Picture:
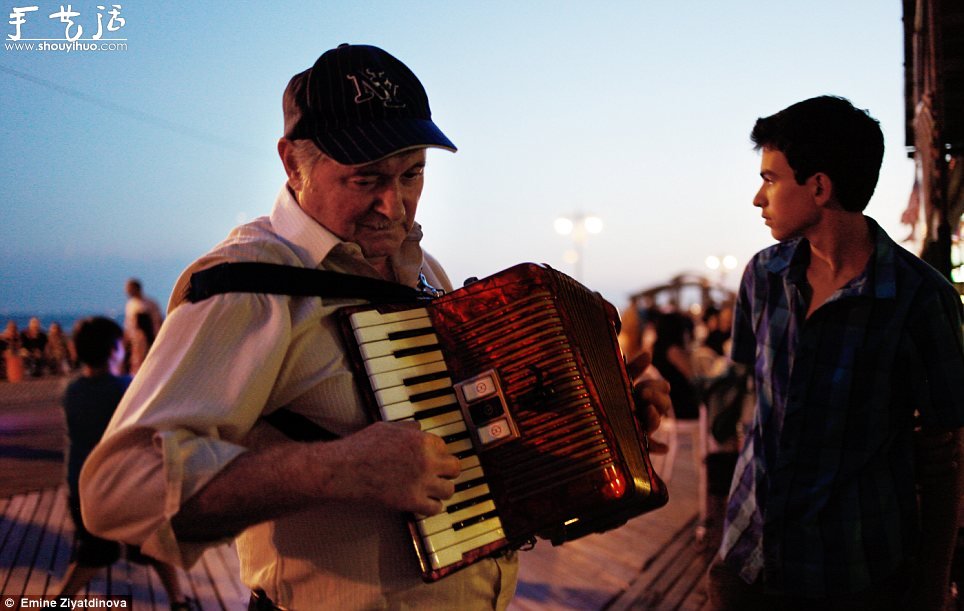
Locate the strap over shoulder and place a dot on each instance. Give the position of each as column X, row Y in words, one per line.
column 276, row 279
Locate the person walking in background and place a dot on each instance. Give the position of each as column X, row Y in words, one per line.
column 852, row 341
column 142, row 323
column 89, row 403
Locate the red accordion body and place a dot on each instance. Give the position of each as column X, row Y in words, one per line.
column 522, row 376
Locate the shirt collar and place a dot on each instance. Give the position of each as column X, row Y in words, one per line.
column 877, row 279
column 308, row 238
column 313, row 243
column 885, row 262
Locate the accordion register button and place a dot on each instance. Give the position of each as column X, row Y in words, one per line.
column 484, row 411
column 482, row 387
column 493, row 431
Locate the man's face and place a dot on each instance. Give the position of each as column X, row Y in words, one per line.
column 372, row 205
column 789, row 208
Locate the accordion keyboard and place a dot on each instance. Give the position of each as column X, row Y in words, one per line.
column 410, row 381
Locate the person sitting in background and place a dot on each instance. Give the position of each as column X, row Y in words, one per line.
column 56, row 354
column 33, row 341
column 12, row 359
column 89, row 403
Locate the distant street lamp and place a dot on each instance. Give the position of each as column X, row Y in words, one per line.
column 724, row 264
column 578, row 226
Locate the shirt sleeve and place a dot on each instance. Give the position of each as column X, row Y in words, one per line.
column 203, row 386
column 938, row 345
column 743, row 344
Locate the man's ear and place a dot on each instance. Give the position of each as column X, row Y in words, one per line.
column 286, row 152
column 821, row 188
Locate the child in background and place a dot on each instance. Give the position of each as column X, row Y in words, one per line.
column 89, row 403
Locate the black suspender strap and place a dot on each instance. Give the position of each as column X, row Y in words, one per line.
column 296, row 427
column 274, row 279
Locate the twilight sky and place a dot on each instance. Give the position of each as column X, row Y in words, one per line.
column 132, row 161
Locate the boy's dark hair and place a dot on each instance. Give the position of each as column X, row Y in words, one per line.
column 95, row 339
column 827, row 134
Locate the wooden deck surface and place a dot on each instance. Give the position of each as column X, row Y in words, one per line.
column 653, row 562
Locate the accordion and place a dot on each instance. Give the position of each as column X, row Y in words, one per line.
column 521, row 375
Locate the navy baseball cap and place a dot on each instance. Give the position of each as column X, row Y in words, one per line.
column 359, row 104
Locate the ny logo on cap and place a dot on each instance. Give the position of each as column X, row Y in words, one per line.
column 371, row 84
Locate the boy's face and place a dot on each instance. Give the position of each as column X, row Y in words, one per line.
column 788, row 208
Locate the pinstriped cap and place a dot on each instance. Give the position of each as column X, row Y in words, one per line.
column 359, row 104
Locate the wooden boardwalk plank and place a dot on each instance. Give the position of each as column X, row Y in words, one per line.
column 143, row 584
column 40, row 577
column 36, row 538
column 649, row 562
column 16, row 547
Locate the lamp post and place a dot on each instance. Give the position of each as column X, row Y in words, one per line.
column 578, row 226
column 723, row 264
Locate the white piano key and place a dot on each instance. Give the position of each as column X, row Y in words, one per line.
column 405, row 409
column 469, row 473
column 396, row 394
column 467, row 495
column 446, row 429
column 459, row 446
column 444, row 418
column 445, row 538
column 452, row 554
column 472, row 460
column 367, row 318
column 376, row 333
column 388, row 346
column 397, row 378
column 443, row 521
column 391, row 362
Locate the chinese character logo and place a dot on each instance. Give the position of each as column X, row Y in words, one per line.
column 66, row 15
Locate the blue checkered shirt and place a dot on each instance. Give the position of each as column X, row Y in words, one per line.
column 823, row 497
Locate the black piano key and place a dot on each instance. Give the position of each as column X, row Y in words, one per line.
column 416, row 350
column 428, row 377
column 430, row 394
column 435, row 411
column 475, row 520
column 395, row 335
column 471, row 483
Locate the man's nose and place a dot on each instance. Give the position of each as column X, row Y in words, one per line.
column 391, row 201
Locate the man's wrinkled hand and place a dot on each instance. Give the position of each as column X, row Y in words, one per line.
column 651, row 397
column 399, row 466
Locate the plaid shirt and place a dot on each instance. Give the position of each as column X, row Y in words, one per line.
column 823, row 498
